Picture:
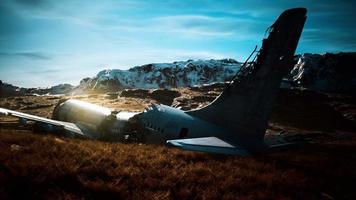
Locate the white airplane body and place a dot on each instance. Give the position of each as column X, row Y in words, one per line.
column 234, row 123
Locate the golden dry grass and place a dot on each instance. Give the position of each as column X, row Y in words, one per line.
column 46, row 166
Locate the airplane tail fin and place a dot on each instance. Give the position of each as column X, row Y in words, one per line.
column 243, row 107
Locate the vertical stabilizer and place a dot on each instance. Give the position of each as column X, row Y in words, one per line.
column 243, row 107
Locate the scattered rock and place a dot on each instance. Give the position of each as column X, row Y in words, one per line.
column 185, row 104
column 193, row 102
column 15, row 147
column 326, row 196
column 59, row 140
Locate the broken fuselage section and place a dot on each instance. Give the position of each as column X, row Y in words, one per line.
column 97, row 121
column 156, row 124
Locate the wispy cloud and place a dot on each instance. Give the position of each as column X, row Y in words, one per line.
column 29, row 55
column 43, row 71
column 67, row 40
column 194, row 25
column 330, row 39
column 106, row 17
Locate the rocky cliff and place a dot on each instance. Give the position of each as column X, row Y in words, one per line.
column 328, row 72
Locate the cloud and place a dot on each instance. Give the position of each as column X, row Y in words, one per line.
column 188, row 26
column 194, row 25
column 106, row 17
column 125, row 33
column 29, row 55
column 44, row 71
column 334, row 38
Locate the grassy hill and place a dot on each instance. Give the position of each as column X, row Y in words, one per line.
column 35, row 165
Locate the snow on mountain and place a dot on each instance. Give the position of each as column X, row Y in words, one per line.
column 163, row 75
column 326, row 72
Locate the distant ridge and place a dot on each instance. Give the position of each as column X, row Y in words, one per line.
column 328, row 72
column 321, row 72
column 7, row 90
column 163, row 75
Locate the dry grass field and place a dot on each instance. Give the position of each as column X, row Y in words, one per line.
column 35, row 165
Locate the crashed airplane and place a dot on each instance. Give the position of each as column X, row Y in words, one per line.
column 234, row 123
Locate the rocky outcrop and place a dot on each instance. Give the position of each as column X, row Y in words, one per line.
column 135, row 93
column 163, row 96
column 334, row 73
column 7, row 90
column 57, row 89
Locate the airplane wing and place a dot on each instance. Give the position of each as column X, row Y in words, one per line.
column 70, row 128
column 209, row 145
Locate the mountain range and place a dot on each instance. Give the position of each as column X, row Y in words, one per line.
column 328, row 72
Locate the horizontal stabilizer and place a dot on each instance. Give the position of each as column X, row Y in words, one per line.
column 209, row 145
column 69, row 127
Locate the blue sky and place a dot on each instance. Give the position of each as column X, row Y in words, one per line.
column 47, row 42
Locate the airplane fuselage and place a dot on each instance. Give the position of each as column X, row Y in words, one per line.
column 156, row 124
column 168, row 123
